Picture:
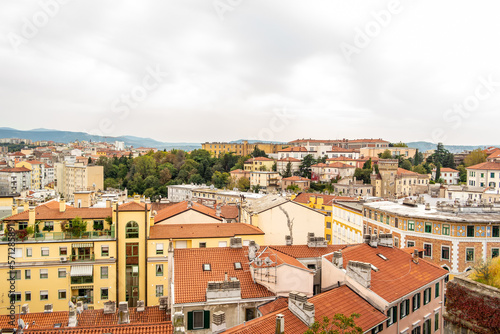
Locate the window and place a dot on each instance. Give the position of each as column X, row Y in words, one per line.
column 328, row 225
column 396, row 242
column 104, row 272
column 181, row 244
column 104, row 251
column 132, row 230
column 27, row 274
column 427, row 296
column 416, row 330
column 436, row 321
column 416, row 302
column 469, row 254
column 15, row 274
column 378, row 329
column 411, row 225
column 428, row 250
column 159, row 291
column 427, row 326
column 27, row 296
column 45, row 251
column 404, row 308
column 470, row 231
column 392, row 313
column 29, row 252
column 428, row 228
column 104, row 293
column 436, row 290
column 203, row 245
column 446, row 229
column 23, row 225
column 237, row 266
column 495, row 231
column 61, row 273
column 61, row 294
column 445, row 253
column 328, row 237
column 44, row 273
column 159, row 270
column 48, row 226
column 159, row 249
column 63, row 251
column 222, row 243
column 198, row 320
column 494, row 252
column 44, row 295
column 18, row 253
column 410, row 244
column 15, row 297
column 206, row 267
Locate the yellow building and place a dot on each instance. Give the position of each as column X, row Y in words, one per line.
column 244, row 148
column 36, row 172
column 259, row 164
column 78, row 177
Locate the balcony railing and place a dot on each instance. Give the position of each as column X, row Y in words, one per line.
column 48, row 236
column 89, row 257
column 82, row 280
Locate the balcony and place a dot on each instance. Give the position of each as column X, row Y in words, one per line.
column 86, row 257
column 50, row 236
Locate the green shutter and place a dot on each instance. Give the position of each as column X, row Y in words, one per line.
column 190, row 320
column 206, row 319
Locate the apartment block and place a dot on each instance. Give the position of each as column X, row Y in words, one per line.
column 78, row 177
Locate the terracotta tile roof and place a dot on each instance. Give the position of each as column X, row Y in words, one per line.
column 320, row 165
column 296, row 178
column 290, row 160
column 160, row 206
column 402, row 171
column 341, row 159
column 341, row 149
column 15, row 170
column 447, row 170
column 238, row 171
column 151, row 319
column 182, row 207
column 486, row 166
column 35, row 162
column 191, row 281
column 132, row 206
column 340, row 165
column 314, row 141
column 249, row 161
column 208, row 230
column 494, row 154
column 303, row 198
column 18, row 154
column 368, row 141
column 305, row 252
column 50, row 211
column 294, row 149
column 273, row 306
column 391, row 281
column 278, row 258
column 229, row 212
column 339, row 300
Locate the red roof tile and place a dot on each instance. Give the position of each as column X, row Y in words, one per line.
column 303, row 198
column 486, row 166
column 294, row 149
column 191, row 281
column 278, row 259
column 229, row 211
column 249, row 161
column 273, row 306
column 208, row 230
column 15, row 170
column 290, row 160
column 304, row 252
column 50, row 211
column 391, row 280
column 402, row 171
column 182, row 207
column 132, row 206
column 296, row 178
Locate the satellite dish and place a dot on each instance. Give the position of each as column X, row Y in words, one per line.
column 268, row 261
column 258, row 261
column 21, row 324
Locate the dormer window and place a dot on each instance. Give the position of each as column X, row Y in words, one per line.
column 206, row 267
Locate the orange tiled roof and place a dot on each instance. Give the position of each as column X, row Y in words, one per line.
column 273, row 306
column 15, row 170
column 208, row 230
column 290, row 159
column 278, row 258
column 249, row 161
column 494, row 154
column 402, row 171
column 339, row 300
column 368, row 141
column 321, row 164
column 486, row 166
column 294, row 149
column 340, row 165
column 229, row 211
column 304, row 252
column 132, row 206
column 391, row 280
column 341, row 149
column 35, row 162
column 447, row 170
column 341, row 159
column 303, row 198
column 50, row 211
column 182, row 207
column 191, row 281
column 296, row 178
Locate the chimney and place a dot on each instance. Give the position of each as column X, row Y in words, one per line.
column 32, row 216
column 337, row 260
column 62, row 205
column 217, row 210
column 298, row 305
column 280, row 324
column 110, row 307
column 427, row 206
column 227, row 290
column 25, row 309
column 72, row 321
column 218, row 322
column 288, row 240
column 163, row 303
column 14, row 210
column 26, row 206
column 313, row 241
column 140, row 306
column 108, row 203
column 360, row 272
column 386, row 240
column 123, row 315
column 252, row 250
column 178, row 323
column 366, row 238
column 137, row 198
column 415, row 256
column 235, row 243
column 48, row 308
column 373, row 240
column 189, row 204
column 79, row 307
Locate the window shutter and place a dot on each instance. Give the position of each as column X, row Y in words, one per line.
column 206, row 319
column 401, row 311
column 190, row 321
column 408, row 307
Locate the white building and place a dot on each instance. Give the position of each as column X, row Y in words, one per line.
column 14, row 180
column 486, row 174
column 449, row 175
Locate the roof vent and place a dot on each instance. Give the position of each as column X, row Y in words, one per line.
column 140, row 306
column 48, row 308
column 110, row 307
column 235, row 243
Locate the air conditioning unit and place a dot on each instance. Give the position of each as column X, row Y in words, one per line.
column 64, row 259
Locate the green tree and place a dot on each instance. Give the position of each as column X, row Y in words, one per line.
column 89, row 161
column 111, row 183
column 418, row 158
column 368, row 164
column 420, row 169
column 256, row 188
column 363, row 174
column 243, row 184
column 406, row 164
column 305, row 166
column 288, row 170
column 258, row 152
column 438, row 172
column 339, row 324
column 78, row 227
column 462, row 174
column 443, row 156
column 220, row 180
column 196, row 179
column 475, row 157
column 386, row 155
column 293, row 188
column 400, row 144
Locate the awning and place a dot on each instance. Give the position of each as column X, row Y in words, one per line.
column 77, row 271
column 83, row 245
column 82, row 287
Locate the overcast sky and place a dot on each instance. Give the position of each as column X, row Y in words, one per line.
column 195, row 71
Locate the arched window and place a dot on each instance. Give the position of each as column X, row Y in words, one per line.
column 132, row 230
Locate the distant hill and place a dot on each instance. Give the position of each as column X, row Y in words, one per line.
column 69, row 136
column 425, row 146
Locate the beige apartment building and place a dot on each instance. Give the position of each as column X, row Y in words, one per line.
column 78, row 177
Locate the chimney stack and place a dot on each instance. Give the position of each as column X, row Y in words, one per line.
column 163, row 303
column 288, row 240
column 252, row 250
column 337, row 259
column 280, row 324
column 301, row 308
column 366, row 238
column 62, row 205
column 79, row 307
column 108, row 203
column 110, row 307
column 140, row 306
column 31, row 216
column 123, row 315
column 218, row 322
column 14, row 209
column 235, row 242
column 360, row 272
column 48, row 308
column 373, row 241
column 25, row 309
column 218, row 210
column 72, row 321
column 178, row 323
column 427, row 206
column 415, row 256
column 386, row 240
